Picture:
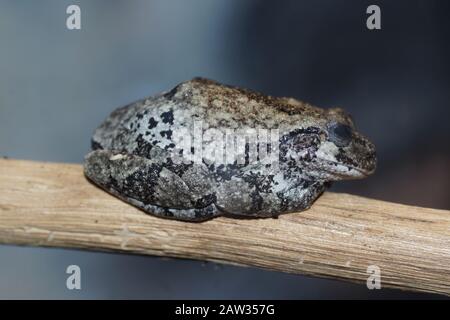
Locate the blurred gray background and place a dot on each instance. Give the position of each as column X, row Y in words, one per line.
column 57, row 85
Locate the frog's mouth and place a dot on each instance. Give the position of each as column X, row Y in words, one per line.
column 341, row 171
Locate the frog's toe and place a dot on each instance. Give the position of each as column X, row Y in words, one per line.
column 194, row 215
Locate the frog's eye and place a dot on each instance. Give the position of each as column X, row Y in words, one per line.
column 340, row 134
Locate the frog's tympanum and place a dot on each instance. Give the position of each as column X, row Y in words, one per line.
column 205, row 149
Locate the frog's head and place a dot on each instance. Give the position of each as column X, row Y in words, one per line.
column 331, row 149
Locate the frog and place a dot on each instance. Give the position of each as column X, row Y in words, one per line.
column 138, row 154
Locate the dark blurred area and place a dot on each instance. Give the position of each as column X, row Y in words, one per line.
column 57, row 85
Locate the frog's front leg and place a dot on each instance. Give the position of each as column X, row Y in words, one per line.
column 238, row 197
column 150, row 185
column 302, row 196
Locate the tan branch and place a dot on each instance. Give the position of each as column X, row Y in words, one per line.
column 50, row 204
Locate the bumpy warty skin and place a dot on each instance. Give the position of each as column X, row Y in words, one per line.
column 137, row 151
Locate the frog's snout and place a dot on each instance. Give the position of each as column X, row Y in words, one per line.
column 365, row 156
column 369, row 164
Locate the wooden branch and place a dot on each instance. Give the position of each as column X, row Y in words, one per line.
column 49, row 204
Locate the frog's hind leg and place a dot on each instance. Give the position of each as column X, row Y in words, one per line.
column 194, row 215
column 146, row 184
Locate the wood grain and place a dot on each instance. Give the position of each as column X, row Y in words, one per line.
column 51, row 204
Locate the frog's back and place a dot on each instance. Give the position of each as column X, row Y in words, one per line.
column 230, row 106
column 152, row 121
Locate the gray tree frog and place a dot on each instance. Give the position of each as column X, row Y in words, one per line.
column 136, row 153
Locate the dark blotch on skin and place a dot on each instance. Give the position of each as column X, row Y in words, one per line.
column 225, row 172
column 179, row 169
column 257, row 201
column 205, row 201
column 167, row 134
column 262, row 183
column 152, row 123
column 140, row 185
column 296, row 132
column 143, row 147
column 167, row 117
column 299, row 139
column 95, row 145
column 169, row 95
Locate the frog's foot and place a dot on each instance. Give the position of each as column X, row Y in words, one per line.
column 150, row 185
column 194, row 215
column 301, row 197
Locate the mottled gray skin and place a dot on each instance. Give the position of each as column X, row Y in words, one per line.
column 134, row 153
